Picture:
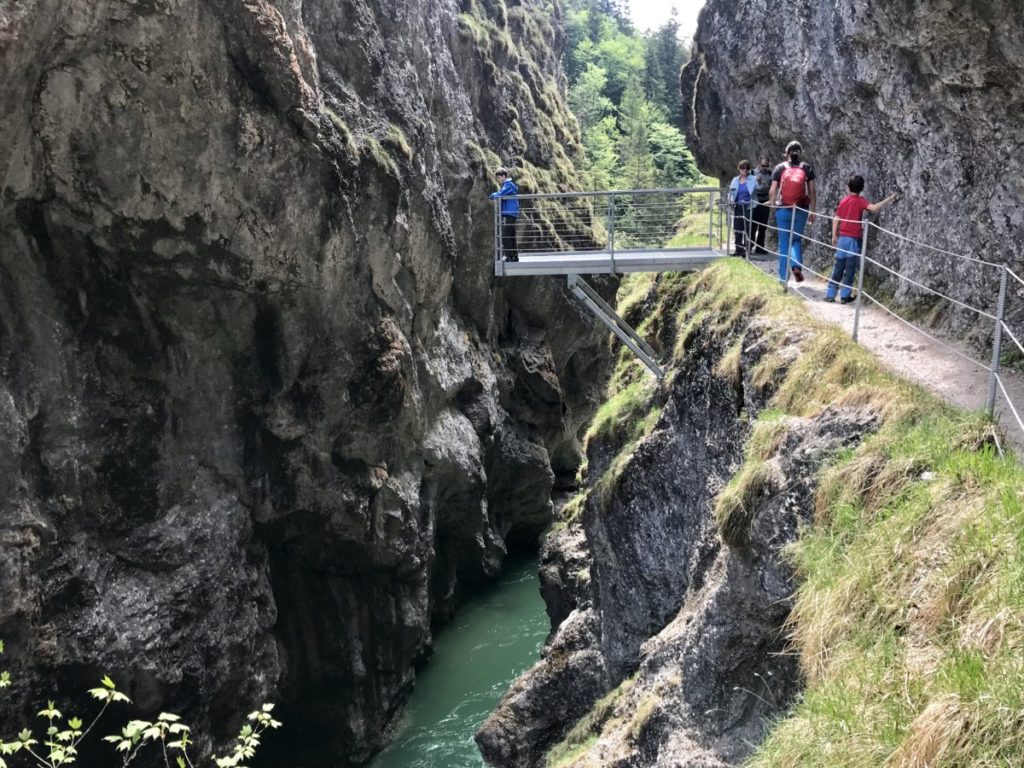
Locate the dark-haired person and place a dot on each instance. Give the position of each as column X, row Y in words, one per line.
column 793, row 192
column 741, row 194
column 762, row 208
column 847, row 236
column 509, row 213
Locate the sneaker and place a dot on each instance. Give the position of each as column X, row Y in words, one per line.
column 830, row 299
column 847, row 299
column 798, row 274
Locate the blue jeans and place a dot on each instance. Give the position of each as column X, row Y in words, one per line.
column 847, row 258
column 790, row 251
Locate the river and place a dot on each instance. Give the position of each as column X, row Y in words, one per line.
column 495, row 636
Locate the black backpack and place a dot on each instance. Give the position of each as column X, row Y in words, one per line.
column 763, row 185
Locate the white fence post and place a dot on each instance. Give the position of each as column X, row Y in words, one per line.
column 997, row 344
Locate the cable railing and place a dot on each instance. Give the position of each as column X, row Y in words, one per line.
column 559, row 225
column 996, row 315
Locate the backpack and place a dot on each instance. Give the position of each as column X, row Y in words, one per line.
column 763, row 186
column 793, row 185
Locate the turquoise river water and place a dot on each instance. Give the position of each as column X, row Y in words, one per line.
column 495, row 636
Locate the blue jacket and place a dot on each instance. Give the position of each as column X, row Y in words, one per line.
column 508, row 207
column 734, row 187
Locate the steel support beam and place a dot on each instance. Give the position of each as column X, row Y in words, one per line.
column 603, row 311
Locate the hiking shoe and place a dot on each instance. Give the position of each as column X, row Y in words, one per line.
column 847, row 299
column 830, row 299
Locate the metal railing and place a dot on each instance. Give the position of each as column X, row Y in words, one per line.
column 616, row 222
column 1001, row 277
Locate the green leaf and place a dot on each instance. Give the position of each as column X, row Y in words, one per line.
column 168, row 717
column 25, row 735
column 1, row 646
column 180, row 761
column 108, row 683
column 5, row 679
column 74, row 723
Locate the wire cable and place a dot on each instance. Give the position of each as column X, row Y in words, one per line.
column 923, row 287
column 924, row 333
column 1013, row 338
column 932, row 247
column 1009, row 401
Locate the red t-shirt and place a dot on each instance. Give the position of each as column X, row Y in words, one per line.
column 850, row 209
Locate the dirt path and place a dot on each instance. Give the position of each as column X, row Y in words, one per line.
column 914, row 356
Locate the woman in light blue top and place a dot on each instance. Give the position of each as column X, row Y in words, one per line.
column 741, row 195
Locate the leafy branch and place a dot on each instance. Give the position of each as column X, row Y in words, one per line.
column 60, row 744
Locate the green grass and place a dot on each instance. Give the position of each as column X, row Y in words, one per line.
column 909, row 621
column 585, row 733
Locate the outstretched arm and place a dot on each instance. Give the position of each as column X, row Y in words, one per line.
column 873, row 207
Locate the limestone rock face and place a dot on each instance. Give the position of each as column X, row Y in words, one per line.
column 669, row 647
column 920, row 97
column 263, row 407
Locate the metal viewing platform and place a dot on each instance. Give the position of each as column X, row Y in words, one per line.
column 600, row 233
column 611, row 233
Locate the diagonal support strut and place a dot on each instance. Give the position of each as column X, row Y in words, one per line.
column 601, row 309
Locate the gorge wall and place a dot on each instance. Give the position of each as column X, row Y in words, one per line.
column 921, row 97
column 263, row 408
column 670, row 647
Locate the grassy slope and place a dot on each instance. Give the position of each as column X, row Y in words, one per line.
column 910, row 618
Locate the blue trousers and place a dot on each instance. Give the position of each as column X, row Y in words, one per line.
column 790, row 251
column 847, row 258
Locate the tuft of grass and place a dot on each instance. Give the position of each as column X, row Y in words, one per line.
column 739, row 500
column 376, row 152
column 585, row 733
column 344, row 132
column 397, row 140
column 642, row 716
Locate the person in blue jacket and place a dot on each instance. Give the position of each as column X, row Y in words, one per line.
column 509, row 214
column 741, row 194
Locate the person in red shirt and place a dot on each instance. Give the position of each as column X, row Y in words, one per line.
column 847, row 236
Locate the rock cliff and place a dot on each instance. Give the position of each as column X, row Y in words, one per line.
column 263, row 408
column 919, row 97
column 669, row 647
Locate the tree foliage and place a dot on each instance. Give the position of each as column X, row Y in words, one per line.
column 624, row 90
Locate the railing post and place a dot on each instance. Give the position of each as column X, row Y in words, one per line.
column 997, row 344
column 711, row 221
column 860, row 278
column 499, row 241
column 611, row 230
column 729, row 234
column 748, row 223
column 721, row 221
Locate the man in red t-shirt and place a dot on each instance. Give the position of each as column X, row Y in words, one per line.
column 847, row 235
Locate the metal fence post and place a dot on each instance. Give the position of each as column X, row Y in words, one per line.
column 729, row 234
column 611, row 230
column 997, row 344
column 748, row 225
column 721, row 219
column 711, row 221
column 860, row 279
column 499, row 241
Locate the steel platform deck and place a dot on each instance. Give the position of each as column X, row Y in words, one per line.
column 605, row 262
